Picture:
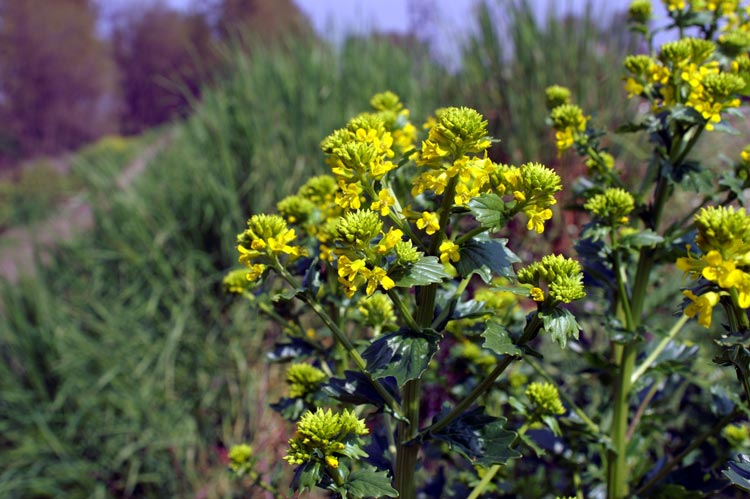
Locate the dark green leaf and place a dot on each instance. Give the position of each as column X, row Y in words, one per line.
column 684, row 114
column 426, row 271
column 739, row 472
column 486, row 258
column 370, row 483
column 497, row 339
column 307, row 476
column 675, row 356
column 480, row 438
column 641, row 238
column 560, row 324
column 403, row 355
column 632, row 127
column 356, row 389
column 490, row 211
column 674, row 491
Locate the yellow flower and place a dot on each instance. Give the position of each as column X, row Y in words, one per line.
column 537, row 294
column 449, row 252
column 349, row 196
column 384, row 202
column 702, row 306
column 720, row 271
column 375, row 277
column 389, row 240
column 429, row 222
column 537, row 217
column 349, row 269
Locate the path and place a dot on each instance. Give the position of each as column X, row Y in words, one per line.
column 18, row 245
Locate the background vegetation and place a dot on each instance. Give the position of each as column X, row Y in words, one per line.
column 125, row 371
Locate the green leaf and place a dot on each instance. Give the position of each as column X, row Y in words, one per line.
column 490, row 211
column 480, row 438
column 403, row 355
column 287, row 295
column 370, row 483
column 485, row 258
column 497, row 339
column 560, row 324
column 307, row 476
column 739, row 472
column 426, row 271
column 642, row 238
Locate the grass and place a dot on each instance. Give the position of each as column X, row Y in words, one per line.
column 126, row 372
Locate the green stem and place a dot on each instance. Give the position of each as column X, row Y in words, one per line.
column 456, row 296
column 343, row 340
column 659, row 349
column 531, row 330
column 403, row 310
column 617, row 472
column 715, row 429
column 473, row 232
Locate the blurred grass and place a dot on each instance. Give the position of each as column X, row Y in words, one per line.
column 41, row 185
column 126, row 372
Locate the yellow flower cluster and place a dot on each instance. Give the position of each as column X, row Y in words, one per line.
column 324, row 435
column 265, row 242
column 687, row 72
column 361, row 154
column 570, row 124
column 724, row 240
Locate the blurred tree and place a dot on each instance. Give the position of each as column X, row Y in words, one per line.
column 57, row 79
column 163, row 56
column 268, row 20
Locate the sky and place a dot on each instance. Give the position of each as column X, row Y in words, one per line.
column 449, row 20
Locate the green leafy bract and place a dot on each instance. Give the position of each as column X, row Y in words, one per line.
column 427, row 270
column 498, row 339
column 403, row 355
column 480, row 438
column 486, row 258
column 489, row 210
column 560, row 324
column 370, row 483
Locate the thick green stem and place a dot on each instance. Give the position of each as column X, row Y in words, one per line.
column 617, row 470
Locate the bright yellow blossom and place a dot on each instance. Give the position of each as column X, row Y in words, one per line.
column 429, row 222
column 702, row 306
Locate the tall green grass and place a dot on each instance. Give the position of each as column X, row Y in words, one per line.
column 517, row 53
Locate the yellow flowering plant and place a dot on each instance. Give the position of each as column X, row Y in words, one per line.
column 374, row 269
column 686, row 89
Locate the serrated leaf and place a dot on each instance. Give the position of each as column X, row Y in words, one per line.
column 560, row 324
column 370, row 483
column 307, row 476
column 489, row 210
column 403, row 355
column 739, row 472
column 675, row 356
column 480, row 438
column 356, row 389
column 641, row 238
column 486, row 258
column 426, row 271
column 497, row 339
